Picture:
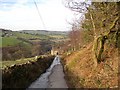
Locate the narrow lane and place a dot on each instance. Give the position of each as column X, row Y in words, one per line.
column 56, row 79
column 52, row 78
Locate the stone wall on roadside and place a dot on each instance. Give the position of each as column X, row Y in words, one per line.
column 22, row 75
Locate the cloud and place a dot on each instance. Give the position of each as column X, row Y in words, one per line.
column 23, row 15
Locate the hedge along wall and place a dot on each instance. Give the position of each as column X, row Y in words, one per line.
column 21, row 76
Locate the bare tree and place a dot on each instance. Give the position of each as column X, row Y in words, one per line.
column 103, row 17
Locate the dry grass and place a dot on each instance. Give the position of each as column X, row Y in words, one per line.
column 80, row 72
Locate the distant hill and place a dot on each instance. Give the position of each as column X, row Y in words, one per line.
column 45, row 32
column 11, row 38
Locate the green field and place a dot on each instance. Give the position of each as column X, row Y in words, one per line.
column 9, row 41
column 12, row 41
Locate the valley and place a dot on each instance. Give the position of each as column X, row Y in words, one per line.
column 21, row 44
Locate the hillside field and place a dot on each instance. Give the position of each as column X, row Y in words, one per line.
column 11, row 38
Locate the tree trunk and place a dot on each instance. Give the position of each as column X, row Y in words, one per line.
column 95, row 45
column 102, row 42
column 98, row 48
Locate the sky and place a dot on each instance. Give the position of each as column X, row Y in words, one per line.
column 23, row 15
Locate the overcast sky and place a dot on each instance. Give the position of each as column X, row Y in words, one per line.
column 23, row 15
